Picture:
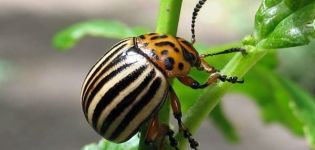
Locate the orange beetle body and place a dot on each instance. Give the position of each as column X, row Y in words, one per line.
column 173, row 55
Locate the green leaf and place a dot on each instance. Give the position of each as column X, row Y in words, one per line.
column 297, row 4
column 284, row 23
column 269, row 14
column 303, row 104
column 68, row 37
column 263, row 87
column 223, row 124
column 103, row 144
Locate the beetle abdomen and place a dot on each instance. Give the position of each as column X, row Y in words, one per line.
column 121, row 92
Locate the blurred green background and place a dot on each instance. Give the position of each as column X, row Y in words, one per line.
column 40, row 105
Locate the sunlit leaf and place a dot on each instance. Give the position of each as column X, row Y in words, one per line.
column 68, row 37
column 269, row 14
column 131, row 144
column 272, row 99
column 303, row 104
column 284, row 23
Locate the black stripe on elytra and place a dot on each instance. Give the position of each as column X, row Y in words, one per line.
column 126, row 101
column 156, row 109
column 102, row 82
column 158, row 37
column 117, row 44
column 100, row 66
column 165, row 43
column 154, row 87
column 120, row 42
column 110, row 95
column 117, row 60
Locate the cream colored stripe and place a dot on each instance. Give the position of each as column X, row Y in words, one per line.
column 119, row 118
column 98, row 96
column 83, row 93
column 121, row 95
column 108, row 85
column 154, row 102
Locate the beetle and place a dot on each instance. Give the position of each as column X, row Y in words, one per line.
column 128, row 85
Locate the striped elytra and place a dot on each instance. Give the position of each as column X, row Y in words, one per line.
column 129, row 83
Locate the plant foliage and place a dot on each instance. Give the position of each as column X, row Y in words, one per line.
column 278, row 24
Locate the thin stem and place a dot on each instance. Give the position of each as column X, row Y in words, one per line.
column 167, row 23
column 237, row 66
column 168, row 16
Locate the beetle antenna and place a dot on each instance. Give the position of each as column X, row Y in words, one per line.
column 194, row 16
column 231, row 50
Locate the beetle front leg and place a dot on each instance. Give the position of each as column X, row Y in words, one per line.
column 214, row 76
column 178, row 116
column 189, row 81
column 156, row 133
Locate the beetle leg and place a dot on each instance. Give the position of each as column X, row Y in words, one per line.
column 214, row 76
column 204, row 66
column 189, row 81
column 157, row 132
column 153, row 129
column 178, row 116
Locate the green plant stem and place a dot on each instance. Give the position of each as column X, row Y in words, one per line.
column 237, row 66
column 168, row 16
column 167, row 23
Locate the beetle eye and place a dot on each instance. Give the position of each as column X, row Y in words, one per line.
column 190, row 57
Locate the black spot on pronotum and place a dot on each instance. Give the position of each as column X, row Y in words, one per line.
column 176, row 49
column 189, row 56
column 164, row 52
column 180, row 66
column 158, row 37
column 165, row 43
column 142, row 37
column 169, row 63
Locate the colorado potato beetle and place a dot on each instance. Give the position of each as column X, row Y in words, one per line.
column 129, row 84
